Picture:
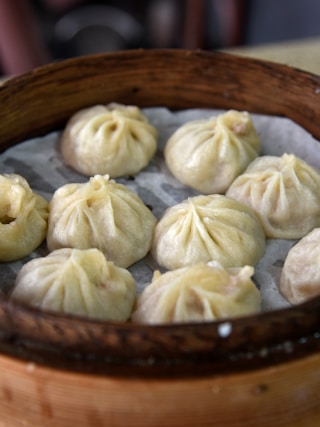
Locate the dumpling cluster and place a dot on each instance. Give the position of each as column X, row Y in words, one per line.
column 23, row 218
column 101, row 214
column 79, row 282
column 201, row 292
column 209, row 154
column 111, row 139
column 209, row 243
column 284, row 193
column 205, row 228
column 300, row 276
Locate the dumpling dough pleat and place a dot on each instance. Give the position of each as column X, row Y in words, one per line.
column 205, row 228
column 284, row 193
column 23, row 218
column 111, row 139
column 202, row 292
column 209, row 154
column 80, row 282
column 101, row 214
column 300, row 275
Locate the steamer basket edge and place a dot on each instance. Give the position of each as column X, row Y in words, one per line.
column 44, row 99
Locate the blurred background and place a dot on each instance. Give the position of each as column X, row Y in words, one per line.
column 35, row 32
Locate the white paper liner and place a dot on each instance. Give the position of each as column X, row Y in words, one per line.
column 39, row 161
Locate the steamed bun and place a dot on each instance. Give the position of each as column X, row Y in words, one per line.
column 284, row 193
column 101, row 214
column 80, row 282
column 300, row 275
column 202, row 292
column 208, row 227
column 23, row 218
column 111, row 139
column 209, row 154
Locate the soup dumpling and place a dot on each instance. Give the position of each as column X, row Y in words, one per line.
column 284, row 193
column 300, row 275
column 101, row 214
column 197, row 293
column 208, row 227
column 111, row 139
column 23, row 218
column 79, row 282
column 209, row 154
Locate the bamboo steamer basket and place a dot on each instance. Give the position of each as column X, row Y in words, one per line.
column 61, row 371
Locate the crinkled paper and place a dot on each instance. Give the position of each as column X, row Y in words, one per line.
column 39, row 161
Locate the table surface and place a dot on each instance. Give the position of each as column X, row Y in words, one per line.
column 303, row 53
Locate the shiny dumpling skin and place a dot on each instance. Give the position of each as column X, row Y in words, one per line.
column 101, row 214
column 209, row 154
column 284, row 193
column 23, row 218
column 111, row 139
column 300, row 275
column 205, row 228
column 79, row 282
column 198, row 293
